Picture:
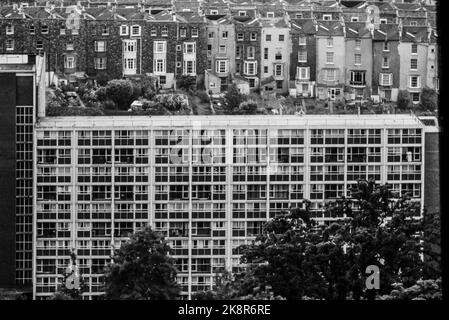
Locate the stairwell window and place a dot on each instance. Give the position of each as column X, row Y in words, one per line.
column 330, row 42
column 240, row 37
column 357, row 59
column 39, row 45
column 358, row 44
column 385, row 62
column 386, row 46
column 251, row 52
column 164, row 32
column 414, row 82
column 104, row 30
column 413, row 64
column 302, row 73
column 194, row 33
column 331, row 75
column 302, row 41
column 414, row 48
column 253, row 36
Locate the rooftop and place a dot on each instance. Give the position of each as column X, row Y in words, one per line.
column 264, row 121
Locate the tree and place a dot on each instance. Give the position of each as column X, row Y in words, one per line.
column 404, row 100
column 429, row 99
column 187, row 83
column 422, row 290
column 300, row 259
column 72, row 284
column 142, row 270
column 232, row 99
column 103, row 78
column 122, row 92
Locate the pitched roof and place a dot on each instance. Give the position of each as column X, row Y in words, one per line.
column 414, row 34
column 386, row 32
column 306, row 26
column 329, row 28
column 357, row 30
column 189, row 16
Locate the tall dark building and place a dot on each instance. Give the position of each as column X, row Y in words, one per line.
column 19, row 76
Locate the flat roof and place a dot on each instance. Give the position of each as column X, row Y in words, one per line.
column 218, row 121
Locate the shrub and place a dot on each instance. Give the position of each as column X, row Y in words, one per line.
column 232, row 99
column 429, row 99
column 203, row 96
column 404, row 100
column 101, row 94
column 172, row 102
column 121, row 92
column 187, row 83
column 109, row 104
column 247, row 107
column 149, row 89
column 102, row 79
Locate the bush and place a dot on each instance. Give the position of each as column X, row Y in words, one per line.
column 101, row 94
column 148, row 86
column 103, row 79
column 247, row 107
column 232, row 99
column 67, row 87
column 122, row 92
column 73, row 111
column 172, row 102
column 187, row 83
column 109, row 104
column 404, row 100
column 429, row 99
column 203, row 96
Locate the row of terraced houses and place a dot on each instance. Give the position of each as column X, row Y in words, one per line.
column 323, row 49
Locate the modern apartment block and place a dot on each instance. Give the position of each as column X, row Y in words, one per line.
column 207, row 183
column 20, row 84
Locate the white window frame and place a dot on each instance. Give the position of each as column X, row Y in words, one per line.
column 303, row 57
column 158, row 70
column 221, row 65
column 270, row 14
column 357, row 59
column 164, row 31
column 358, row 44
column 330, row 42
column 39, row 45
column 182, row 32
column 136, row 30
column 329, row 54
column 253, row 36
column 69, row 62
column 46, row 29
column 275, row 70
column 383, row 21
column 124, row 30
column 418, row 82
column 98, row 47
column 9, row 44
column 69, row 46
column 224, row 34
column 246, row 68
column 299, row 73
column 222, row 49
column 327, row 17
column 194, row 32
column 302, row 41
column 240, row 36
column 414, row 59
column 214, row 12
column 251, row 50
column 9, row 29
column 414, row 45
column 186, row 67
column 102, row 65
column 187, row 45
column 381, row 79
column 385, row 66
column 328, row 72
column 158, row 45
column 242, row 13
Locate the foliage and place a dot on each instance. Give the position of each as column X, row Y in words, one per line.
column 432, row 245
column 60, row 296
column 148, row 87
column 173, row 102
column 187, row 83
column 429, row 99
column 404, row 100
column 103, row 79
column 60, row 111
column 232, row 99
column 300, row 259
column 422, row 290
column 203, row 96
column 101, row 94
column 142, row 269
column 122, row 92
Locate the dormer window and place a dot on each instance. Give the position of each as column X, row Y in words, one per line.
column 242, row 13
column 327, row 17
column 123, row 30
column 214, row 12
column 383, row 21
column 153, row 32
column 9, row 44
column 9, row 29
column 270, row 14
column 32, row 29
column 69, row 46
column 298, row 16
column 413, row 23
column 354, row 19
column 330, row 42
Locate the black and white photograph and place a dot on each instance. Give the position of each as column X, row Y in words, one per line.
column 200, row 150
